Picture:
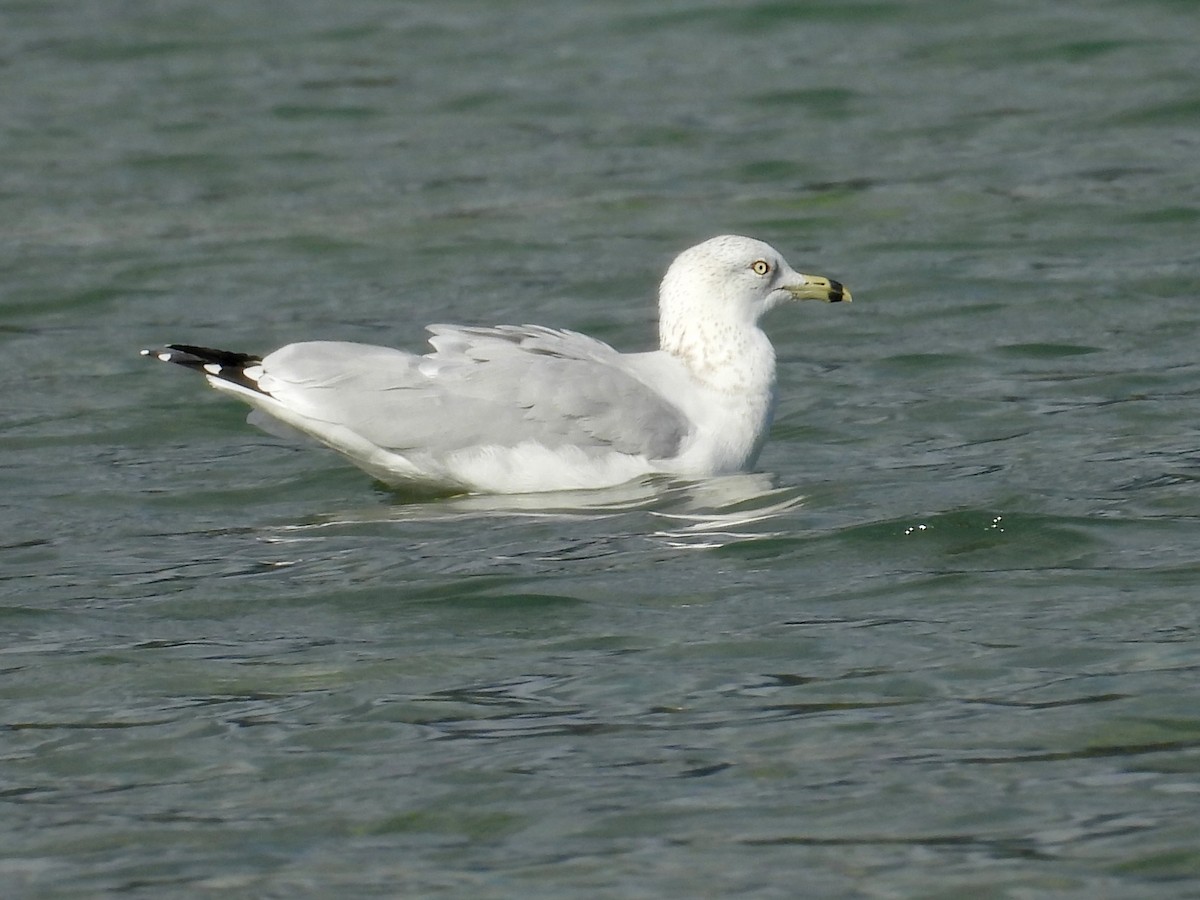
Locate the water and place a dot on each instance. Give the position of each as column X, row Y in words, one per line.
column 943, row 644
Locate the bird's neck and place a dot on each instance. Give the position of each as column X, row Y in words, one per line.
column 728, row 357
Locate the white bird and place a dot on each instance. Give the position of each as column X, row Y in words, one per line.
column 521, row 408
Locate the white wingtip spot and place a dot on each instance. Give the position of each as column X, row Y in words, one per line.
column 144, row 352
column 212, row 368
column 253, row 373
column 165, row 357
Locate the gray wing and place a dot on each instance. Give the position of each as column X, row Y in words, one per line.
column 480, row 387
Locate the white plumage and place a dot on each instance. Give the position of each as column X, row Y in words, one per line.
column 524, row 408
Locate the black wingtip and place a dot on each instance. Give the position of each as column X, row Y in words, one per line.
column 243, row 369
column 222, row 358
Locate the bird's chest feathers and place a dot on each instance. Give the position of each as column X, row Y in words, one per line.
column 733, row 428
column 733, row 373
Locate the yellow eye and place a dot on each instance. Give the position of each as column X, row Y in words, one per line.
column 760, row 267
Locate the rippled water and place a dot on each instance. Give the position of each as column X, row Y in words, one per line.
column 943, row 644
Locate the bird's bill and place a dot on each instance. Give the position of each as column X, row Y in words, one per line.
column 814, row 287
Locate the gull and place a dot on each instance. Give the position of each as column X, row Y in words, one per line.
column 524, row 408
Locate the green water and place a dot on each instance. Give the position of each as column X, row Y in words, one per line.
column 943, row 644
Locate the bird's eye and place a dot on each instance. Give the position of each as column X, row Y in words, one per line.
column 760, row 267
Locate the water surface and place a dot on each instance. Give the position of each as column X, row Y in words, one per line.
column 943, row 643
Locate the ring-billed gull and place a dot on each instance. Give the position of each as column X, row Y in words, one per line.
column 521, row 408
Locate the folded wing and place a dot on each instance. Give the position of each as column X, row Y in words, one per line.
column 479, row 388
